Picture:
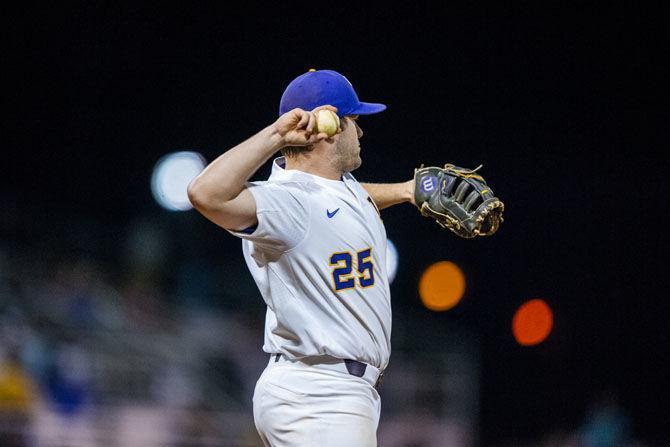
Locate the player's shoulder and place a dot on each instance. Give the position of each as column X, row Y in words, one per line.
column 297, row 188
column 286, row 184
column 298, row 182
column 351, row 180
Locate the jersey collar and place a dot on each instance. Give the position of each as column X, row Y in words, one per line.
column 279, row 172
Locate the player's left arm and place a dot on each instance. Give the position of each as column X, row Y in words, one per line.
column 389, row 194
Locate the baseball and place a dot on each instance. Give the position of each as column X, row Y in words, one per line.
column 327, row 122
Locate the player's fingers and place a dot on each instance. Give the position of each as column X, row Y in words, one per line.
column 317, row 137
column 326, row 107
column 304, row 119
column 311, row 124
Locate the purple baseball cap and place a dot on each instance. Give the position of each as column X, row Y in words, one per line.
column 318, row 88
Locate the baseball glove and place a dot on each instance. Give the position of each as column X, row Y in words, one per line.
column 458, row 199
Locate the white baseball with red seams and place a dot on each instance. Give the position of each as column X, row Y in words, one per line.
column 327, row 122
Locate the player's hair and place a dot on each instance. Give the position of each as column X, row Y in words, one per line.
column 291, row 151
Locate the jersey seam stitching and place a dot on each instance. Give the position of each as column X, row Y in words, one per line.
column 307, row 230
column 309, row 223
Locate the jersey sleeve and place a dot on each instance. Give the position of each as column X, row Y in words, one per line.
column 282, row 211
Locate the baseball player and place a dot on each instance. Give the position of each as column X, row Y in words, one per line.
column 315, row 244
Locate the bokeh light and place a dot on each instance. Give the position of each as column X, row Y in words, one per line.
column 442, row 286
column 391, row 260
column 532, row 322
column 171, row 177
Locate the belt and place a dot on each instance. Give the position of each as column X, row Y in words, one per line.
column 369, row 373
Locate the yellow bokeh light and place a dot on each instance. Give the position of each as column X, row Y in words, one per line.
column 442, row 286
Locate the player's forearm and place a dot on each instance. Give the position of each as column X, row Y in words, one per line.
column 224, row 178
column 389, row 194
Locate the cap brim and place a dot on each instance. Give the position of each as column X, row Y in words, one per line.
column 368, row 108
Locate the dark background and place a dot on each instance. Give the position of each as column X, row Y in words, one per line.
column 558, row 102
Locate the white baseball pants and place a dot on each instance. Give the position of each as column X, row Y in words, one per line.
column 296, row 404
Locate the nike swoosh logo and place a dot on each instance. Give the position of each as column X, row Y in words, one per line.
column 330, row 215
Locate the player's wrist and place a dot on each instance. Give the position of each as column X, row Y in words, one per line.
column 408, row 191
column 274, row 138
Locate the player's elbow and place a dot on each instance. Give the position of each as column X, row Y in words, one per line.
column 206, row 199
column 198, row 195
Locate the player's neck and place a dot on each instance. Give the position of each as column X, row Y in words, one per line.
column 314, row 164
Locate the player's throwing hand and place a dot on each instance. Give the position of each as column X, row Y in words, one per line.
column 297, row 127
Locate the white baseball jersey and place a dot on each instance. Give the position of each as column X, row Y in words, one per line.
column 318, row 256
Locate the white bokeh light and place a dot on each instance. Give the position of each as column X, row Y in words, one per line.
column 171, row 176
column 391, row 260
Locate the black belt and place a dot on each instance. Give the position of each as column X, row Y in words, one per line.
column 354, row 367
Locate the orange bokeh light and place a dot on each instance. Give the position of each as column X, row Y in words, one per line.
column 442, row 286
column 532, row 322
